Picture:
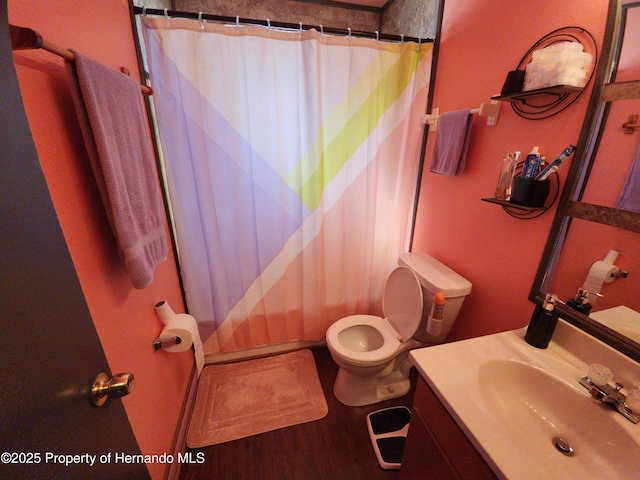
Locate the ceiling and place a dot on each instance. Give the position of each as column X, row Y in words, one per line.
column 368, row 3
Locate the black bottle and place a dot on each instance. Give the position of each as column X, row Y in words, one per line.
column 543, row 322
column 581, row 302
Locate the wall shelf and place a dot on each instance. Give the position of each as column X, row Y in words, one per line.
column 543, row 103
column 524, row 212
column 557, row 90
column 506, row 203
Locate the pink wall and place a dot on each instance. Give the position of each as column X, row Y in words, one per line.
column 481, row 41
column 123, row 316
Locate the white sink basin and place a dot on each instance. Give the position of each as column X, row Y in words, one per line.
column 538, row 409
column 515, row 401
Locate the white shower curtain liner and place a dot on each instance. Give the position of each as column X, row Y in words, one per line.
column 291, row 162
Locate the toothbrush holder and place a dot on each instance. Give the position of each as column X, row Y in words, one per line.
column 530, row 192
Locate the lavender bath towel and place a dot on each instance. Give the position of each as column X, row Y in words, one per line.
column 452, row 142
column 629, row 198
column 110, row 110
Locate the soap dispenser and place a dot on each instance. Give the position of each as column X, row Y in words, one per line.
column 543, row 323
column 581, row 302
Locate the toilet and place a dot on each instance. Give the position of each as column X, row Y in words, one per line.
column 372, row 352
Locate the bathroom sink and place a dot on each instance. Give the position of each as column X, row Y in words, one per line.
column 524, row 409
column 544, row 411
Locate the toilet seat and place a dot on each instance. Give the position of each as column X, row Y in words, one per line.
column 402, row 305
column 402, row 302
column 383, row 354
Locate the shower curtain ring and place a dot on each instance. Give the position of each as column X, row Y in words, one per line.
column 237, row 20
column 402, row 38
column 377, row 36
column 144, row 11
column 300, row 28
column 321, row 30
column 166, row 16
column 201, row 20
column 349, row 33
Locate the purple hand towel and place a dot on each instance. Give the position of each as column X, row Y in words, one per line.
column 452, row 142
column 629, row 198
column 111, row 113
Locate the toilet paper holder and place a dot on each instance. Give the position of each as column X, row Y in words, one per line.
column 160, row 342
column 619, row 274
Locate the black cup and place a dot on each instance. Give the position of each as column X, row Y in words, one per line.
column 529, row 192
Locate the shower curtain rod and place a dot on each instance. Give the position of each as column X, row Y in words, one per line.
column 268, row 23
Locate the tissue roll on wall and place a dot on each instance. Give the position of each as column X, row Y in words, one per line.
column 185, row 328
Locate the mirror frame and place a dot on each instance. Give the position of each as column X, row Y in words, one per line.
column 576, row 181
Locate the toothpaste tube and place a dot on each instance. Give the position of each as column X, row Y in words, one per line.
column 531, row 164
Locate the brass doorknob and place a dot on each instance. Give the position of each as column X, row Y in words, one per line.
column 117, row 386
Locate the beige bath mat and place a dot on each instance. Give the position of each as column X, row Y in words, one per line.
column 237, row 400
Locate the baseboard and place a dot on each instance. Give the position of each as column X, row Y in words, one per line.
column 257, row 352
column 179, row 440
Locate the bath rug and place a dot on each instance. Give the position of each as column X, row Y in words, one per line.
column 241, row 399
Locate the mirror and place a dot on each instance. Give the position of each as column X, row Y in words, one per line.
column 587, row 224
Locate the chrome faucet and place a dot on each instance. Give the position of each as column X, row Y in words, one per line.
column 599, row 388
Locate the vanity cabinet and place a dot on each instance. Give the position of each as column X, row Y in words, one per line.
column 436, row 448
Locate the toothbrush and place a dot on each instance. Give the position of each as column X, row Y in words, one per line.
column 553, row 166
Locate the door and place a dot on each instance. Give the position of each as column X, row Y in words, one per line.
column 49, row 349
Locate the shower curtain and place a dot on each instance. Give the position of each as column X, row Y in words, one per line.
column 291, row 162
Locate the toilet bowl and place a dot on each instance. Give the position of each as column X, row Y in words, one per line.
column 372, row 352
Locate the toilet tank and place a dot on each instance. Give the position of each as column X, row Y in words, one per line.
column 436, row 277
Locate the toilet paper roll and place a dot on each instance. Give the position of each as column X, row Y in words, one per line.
column 601, row 272
column 165, row 312
column 611, row 257
column 185, row 328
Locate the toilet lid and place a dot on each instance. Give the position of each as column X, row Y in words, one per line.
column 402, row 302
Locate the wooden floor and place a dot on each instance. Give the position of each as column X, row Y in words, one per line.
column 334, row 448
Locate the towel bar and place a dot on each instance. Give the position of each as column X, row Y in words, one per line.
column 489, row 110
column 23, row 38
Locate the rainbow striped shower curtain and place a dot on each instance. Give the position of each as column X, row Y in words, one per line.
column 291, row 161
